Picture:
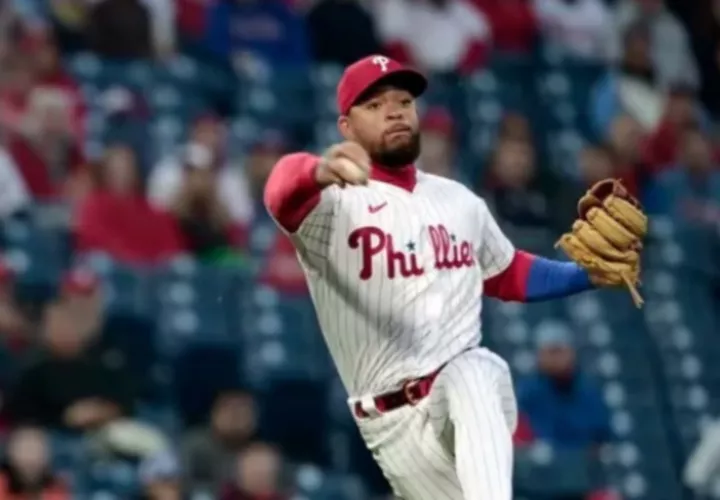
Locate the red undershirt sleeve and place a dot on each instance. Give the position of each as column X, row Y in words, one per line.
column 291, row 191
column 511, row 284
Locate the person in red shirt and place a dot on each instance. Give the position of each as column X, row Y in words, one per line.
column 439, row 146
column 45, row 149
column 514, row 25
column 117, row 219
column 40, row 48
column 681, row 114
column 281, row 269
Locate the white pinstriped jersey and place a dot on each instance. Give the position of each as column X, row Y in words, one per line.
column 397, row 276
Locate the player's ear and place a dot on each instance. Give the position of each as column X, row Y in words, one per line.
column 344, row 128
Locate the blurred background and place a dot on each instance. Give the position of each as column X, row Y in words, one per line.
column 156, row 337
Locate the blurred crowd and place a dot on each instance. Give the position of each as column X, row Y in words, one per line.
column 649, row 119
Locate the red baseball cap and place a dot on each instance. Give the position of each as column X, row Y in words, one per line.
column 360, row 76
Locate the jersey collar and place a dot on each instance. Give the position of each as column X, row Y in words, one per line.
column 402, row 177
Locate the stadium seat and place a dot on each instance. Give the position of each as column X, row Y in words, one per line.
column 294, row 417
column 200, row 372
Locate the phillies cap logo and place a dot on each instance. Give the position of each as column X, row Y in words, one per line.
column 381, row 61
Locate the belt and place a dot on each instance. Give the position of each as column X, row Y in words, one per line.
column 411, row 393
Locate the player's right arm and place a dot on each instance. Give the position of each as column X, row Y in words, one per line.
column 296, row 187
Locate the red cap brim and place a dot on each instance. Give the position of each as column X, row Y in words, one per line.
column 403, row 78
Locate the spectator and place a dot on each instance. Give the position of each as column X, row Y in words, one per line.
column 17, row 80
column 514, row 23
column 120, row 29
column 705, row 19
column 341, row 32
column 626, row 145
column 515, row 187
column 691, row 192
column 69, row 21
column 438, row 140
column 438, row 36
column 257, row 476
column 209, row 454
column 632, row 88
column 162, row 26
column 117, row 219
column 46, row 151
column 26, row 472
column 669, row 42
column 161, row 477
column 40, row 47
column 192, row 18
column 682, row 112
column 15, row 328
column 281, row 269
column 257, row 33
column 564, row 407
column 166, row 178
column 205, row 224
column 581, row 28
column 81, row 292
column 14, row 197
column 595, row 163
column 8, row 20
column 516, row 126
column 68, row 388
column 263, row 155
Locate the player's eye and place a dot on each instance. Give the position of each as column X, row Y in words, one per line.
column 373, row 105
column 406, row 102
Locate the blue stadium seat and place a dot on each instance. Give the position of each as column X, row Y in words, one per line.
column 130, row 342
column 294, row 417
column 283, row 337
column 111, row 479
column 282, row 98
column 128, row 290
column 200, row 372
column 317, row 484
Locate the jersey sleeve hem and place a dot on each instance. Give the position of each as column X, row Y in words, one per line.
column 500, row 266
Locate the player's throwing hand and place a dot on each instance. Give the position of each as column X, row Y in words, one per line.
column 346, row 163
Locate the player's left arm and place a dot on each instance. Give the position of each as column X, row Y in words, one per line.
column 514, row 275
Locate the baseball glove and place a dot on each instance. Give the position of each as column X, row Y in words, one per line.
column 607, row 237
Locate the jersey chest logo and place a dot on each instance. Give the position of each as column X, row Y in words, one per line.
column 402, row 259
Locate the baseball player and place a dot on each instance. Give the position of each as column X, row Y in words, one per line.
column 397, row 262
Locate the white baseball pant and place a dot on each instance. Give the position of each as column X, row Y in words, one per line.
column 455, row 444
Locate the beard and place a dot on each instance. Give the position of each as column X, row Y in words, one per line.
column 398, row 156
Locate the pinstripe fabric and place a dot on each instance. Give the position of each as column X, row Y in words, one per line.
column 396, row 278
column 382, row 330
column 457, row 443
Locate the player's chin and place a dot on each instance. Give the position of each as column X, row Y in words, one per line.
column 401, row 143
